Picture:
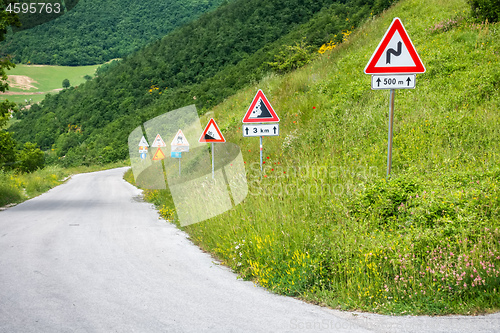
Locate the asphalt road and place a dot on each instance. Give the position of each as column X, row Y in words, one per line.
column 90, row 256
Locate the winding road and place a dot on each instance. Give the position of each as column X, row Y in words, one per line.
column 91, row 256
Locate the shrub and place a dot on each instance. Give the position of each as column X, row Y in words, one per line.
column 291, row 57
column 31, row 158
column 486, row 9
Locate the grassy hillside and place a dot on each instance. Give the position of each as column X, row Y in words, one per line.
column 94, row 32
column 324, row 224
column 35, row 81
column 203, row 62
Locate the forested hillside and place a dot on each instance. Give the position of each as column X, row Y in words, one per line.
column 202, row 62
column 94, row 32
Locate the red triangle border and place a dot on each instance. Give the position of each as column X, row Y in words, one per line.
column 260, row 95
column 202, row 137
column 419, row 67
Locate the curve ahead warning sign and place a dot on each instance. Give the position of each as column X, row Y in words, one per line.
column 395, row 54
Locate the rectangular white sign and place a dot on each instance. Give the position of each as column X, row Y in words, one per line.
column 393, row 81
column 261, row 130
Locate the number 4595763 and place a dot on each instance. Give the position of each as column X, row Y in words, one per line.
column 38, row 7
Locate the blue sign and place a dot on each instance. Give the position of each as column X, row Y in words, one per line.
column 176, row 154
column 143, row 155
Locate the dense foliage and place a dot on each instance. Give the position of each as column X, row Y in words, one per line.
column 30, row 158
column 486, row 9
column 94, row 32
column 7, row 144
column 202, row 62
column 33, row 12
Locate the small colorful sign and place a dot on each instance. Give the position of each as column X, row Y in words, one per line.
column 179, row 143
column 158, row 142
column 159, row 155
column 143, row 148
column 176, row 154
column 143, row 142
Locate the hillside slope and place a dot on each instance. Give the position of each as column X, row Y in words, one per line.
column 203, row 62
column 97, row 31
column 324, row 224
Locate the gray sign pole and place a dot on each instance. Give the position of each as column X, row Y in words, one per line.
column 391, row 122
column 260, row 154
column 213, row 162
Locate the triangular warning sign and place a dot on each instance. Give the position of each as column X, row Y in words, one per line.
column 143, row 142
column 395, row 53
column 179, row 140
column 260, row 111
column 212, row 133
column 159, row 155
column 159, row 142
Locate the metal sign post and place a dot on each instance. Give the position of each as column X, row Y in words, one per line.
column 260, row 154
column 389, row 140
column 213, row 162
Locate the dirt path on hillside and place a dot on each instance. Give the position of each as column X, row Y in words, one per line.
column 30, row 93
column 21, row 82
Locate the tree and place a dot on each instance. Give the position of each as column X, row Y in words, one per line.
column 31, row 158
column 7, row 144
column 66, row 83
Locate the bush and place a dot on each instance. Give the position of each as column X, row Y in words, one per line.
column 7, row 151
column 9, row 189
column 31, row 158
column 486, row 9
column 291, row 57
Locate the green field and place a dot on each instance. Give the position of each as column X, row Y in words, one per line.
column 46, row 79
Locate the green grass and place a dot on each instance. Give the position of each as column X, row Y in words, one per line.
column 47, row 79
column 325, row 225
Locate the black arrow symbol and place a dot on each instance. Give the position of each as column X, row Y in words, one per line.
column 378, row 81
column 274, row 128
column 408, row 80
column 246, row 129
column 392, row 51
